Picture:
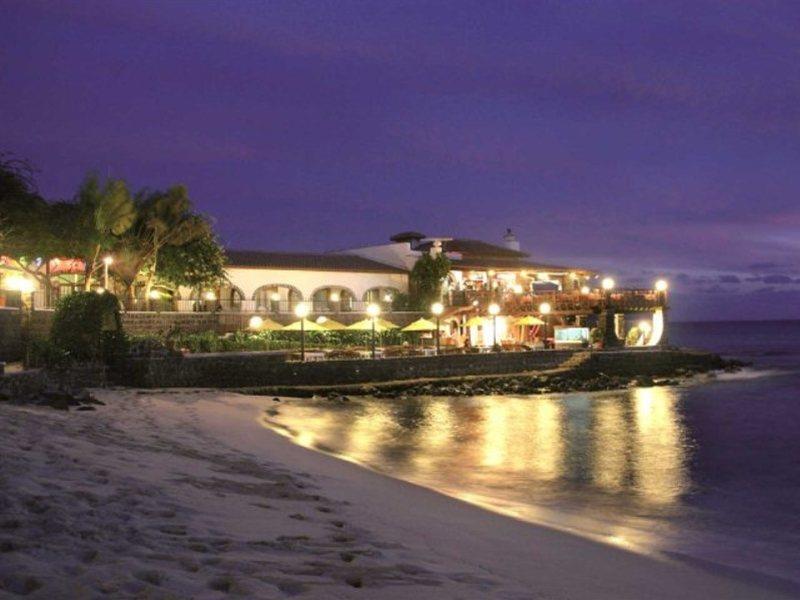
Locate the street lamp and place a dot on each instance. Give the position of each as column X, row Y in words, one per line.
column 373, row 310
column 437, row 308
column 107, row 261
column 301, row 310
column 608, row 284
column 661, row 289
column 544, row 310
column 585, row 290
column 255, row 323
column 494, row 310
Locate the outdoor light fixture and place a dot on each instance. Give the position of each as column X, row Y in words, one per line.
column 373, row 310
column 335, row 296
column 607, row 284
column 154, row 295
column 255, row 323
column 19, row 284
column 517, row 288
column 437, row 308
column 644, row 327
column 545, row 308
column 585, row 290
column 494, row 310
column 661, row 285
column 275, row 297
column 100, row 290
column 321, row 319
column 107, row 260
column 387, row 298
column 301, row 310
column 475, row 303
column 209, row 295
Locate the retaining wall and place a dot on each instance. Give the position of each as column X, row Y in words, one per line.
column 263, row 369
column 11, row 346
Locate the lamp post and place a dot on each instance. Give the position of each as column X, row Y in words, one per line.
column 661, row 288
column 301, row 310
column 437, row 308
column 608, row 324
column 544, row 310
column 107, row 262
column 373, row 310
column 494, row 310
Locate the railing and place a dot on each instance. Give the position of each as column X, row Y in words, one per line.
column 561, row 302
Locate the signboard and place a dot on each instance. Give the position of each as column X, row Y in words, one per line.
column 571, row 335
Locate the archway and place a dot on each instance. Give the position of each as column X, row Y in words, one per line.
column 277, row 297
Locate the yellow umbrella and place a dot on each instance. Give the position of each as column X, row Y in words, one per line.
column 475, row 321
column 422, row 325
column 307, row 325
column 528, row 320
column 330, row 324
column 263, row 324
column 366, row 325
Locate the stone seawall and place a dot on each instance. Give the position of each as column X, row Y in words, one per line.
column 11, row 345
column 264, row 369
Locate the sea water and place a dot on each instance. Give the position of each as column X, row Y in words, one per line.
column 707, row 471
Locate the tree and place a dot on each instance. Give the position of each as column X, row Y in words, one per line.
column 196, row 264
column 163, row 219
column 104, row 212
column 426, row 280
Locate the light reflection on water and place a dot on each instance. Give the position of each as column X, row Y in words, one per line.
column 609, row 465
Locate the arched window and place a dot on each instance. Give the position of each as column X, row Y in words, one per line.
column 333, row 299
column 277, row 297
column 384, row 296
column 225, row 297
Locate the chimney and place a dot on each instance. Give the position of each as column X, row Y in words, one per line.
column 510, row 241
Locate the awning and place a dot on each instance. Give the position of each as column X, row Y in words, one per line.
column 528, row 320
column 330, row 324
column 422, row 325
column 307, row 326
column 366, row 325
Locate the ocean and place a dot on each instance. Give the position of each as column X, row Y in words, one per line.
column 707, row 472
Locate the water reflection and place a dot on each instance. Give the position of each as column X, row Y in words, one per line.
column 538, row 448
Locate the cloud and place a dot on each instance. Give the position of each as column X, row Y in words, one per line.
column 729, row 279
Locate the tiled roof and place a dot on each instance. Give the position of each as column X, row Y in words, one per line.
column 474, row 248
column 480, row 263
column 307, row 261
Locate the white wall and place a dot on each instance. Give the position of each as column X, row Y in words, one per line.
column 398, row 255
column 250, row 279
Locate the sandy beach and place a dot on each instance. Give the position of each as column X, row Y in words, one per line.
column 186, row 494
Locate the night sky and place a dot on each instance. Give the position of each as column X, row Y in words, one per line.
column 638, row 138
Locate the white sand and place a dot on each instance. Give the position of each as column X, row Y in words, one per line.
column 178, row 495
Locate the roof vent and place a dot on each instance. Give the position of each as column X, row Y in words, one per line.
column 510, row 240
column 411, row 237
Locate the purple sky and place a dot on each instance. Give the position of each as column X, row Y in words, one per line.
column 641, row 138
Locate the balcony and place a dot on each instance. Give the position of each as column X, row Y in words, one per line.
column 631, row 300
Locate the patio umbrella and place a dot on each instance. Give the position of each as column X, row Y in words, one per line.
column 421, row 325
column 267, row 324
column 366, row 325
column 330, row 324
column 307, row 325
column 528, row 320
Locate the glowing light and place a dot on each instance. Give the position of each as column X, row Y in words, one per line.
column 545, row 308
column 301, row 310
column 661, row 285
column 387, row 298
column 608, row 284
column 275, row 296
column 373, row 310
column 100, row 290
column 475, row 303
column 437, row 308
column 19, row 284
column 543, row 277
column 210, row 295
column 494, row 309
column 335, row 296
column 255, row 323
column 322, row 319
column 585, row 290
column 154, row 295
column 108, row 260
column 644, row 327
column 517, row 288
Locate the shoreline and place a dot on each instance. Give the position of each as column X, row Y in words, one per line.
column 182, row 473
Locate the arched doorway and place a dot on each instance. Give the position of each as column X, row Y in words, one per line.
column 383, row 296
column 333, row 299
column 277, row 297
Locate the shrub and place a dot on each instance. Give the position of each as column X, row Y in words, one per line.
column 87, row 326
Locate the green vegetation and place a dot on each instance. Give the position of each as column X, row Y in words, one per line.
column 154, row 237
column 87, row 327
column 426, row 280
